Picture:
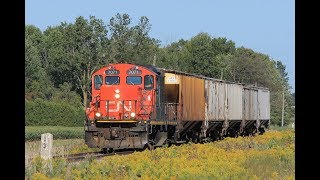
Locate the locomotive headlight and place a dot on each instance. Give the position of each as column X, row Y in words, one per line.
column 133, row 114
column 117, row 91
column 117, row 96
column 98, row 114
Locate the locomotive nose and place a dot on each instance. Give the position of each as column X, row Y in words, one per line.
column 119, row 93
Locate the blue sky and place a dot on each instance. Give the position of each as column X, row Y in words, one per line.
column 264, row 26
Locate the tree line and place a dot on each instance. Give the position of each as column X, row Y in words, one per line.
column 60, row 60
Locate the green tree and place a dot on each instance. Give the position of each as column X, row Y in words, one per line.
column 34, row 35
column 131, row 44
column 174, row 56
column 121, row 38
column 35, row 75
column 282, row 69
column 75, row 51
column 64, row 94
column 250, row 67
column 144, row 48
column 288, row 98
column 201, row 55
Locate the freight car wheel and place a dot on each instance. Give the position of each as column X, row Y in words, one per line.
column 168, row 143
column 107, row 150
column 150, row 146
column 261, row 130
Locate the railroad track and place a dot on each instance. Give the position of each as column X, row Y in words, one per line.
column 94, row 155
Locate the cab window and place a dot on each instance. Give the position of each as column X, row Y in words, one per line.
column 134, row 80
column 112, row 80
column 148, row 82
column 97, row 82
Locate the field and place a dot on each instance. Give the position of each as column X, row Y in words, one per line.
column 60, row 147
column 268, row 156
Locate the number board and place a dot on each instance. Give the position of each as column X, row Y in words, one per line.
column 112, row 72
column 134, row 71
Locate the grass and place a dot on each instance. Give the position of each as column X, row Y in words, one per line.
column 33, row 133
column 268, row 156
column 60, row 147
column 281, row 128
column 67, row 140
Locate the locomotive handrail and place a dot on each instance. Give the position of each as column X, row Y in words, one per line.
column 171, row 111
column 97, row 102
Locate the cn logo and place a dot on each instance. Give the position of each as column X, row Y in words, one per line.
column 118, row 104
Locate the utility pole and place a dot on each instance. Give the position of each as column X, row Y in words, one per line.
column 282, row 107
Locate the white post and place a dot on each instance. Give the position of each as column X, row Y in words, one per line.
column 46, row 146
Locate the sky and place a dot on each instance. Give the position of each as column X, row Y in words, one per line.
column 267, row 27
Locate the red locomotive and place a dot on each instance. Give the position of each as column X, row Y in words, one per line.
column 135, row 106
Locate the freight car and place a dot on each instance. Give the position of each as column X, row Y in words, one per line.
column 135, row 106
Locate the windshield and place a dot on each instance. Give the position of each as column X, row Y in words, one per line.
column 112, row 80
column 97, row 81
column 134, row 80
column 148, row 82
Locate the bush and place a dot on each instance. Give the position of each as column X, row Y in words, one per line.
column 33, row 133
column 40, row 112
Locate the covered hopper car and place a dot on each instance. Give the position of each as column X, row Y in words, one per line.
column 135, row 106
